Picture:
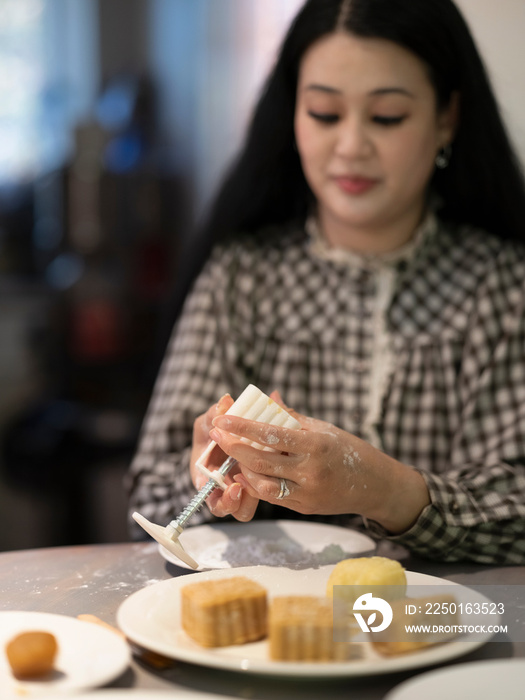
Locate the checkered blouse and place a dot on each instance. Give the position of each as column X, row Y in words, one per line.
column 421, row 353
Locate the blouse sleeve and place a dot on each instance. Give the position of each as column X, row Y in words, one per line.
column 477, row 509
column 196, row 371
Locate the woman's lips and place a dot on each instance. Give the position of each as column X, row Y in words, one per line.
column 355, row 185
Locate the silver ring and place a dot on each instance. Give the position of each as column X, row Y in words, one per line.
column 285, row 491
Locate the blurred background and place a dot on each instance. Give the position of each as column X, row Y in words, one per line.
column 117, row 118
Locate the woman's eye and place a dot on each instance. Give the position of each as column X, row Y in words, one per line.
column 388, row 121
column 324, row 117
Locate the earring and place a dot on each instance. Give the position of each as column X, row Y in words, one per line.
column 443, row 156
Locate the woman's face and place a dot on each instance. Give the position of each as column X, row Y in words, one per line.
column 367, row 131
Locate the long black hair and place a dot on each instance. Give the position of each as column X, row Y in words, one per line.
column 483, row 184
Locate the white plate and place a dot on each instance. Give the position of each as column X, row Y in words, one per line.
column 175, row 693
column 151, row 618
column 485, row 680
column 88, row 655
column 211, row 545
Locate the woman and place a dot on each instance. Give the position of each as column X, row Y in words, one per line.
column 367, row 262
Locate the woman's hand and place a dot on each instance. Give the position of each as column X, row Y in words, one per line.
column 234, row 500
column 327, row 471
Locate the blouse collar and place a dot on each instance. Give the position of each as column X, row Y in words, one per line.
column 321, row 249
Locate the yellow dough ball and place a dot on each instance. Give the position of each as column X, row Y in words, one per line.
column 367, row 571
column 387, row 576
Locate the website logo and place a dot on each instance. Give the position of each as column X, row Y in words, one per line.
column 368, row 604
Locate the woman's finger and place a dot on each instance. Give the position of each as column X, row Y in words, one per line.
column 274, row 436
column 272, row 489
column 270, row 463
column 201, row 440
column 233, row 501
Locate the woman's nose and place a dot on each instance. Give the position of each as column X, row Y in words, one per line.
column 353, row 140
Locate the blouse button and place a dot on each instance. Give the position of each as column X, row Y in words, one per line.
column 357, row 416
column 454, row 507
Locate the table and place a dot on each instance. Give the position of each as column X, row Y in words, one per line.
column 96, row 579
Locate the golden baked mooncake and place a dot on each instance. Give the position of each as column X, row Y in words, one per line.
column 301, row 628
column 224, row 611
column 32, row 654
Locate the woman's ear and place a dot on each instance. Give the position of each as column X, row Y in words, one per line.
column 448, row 120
